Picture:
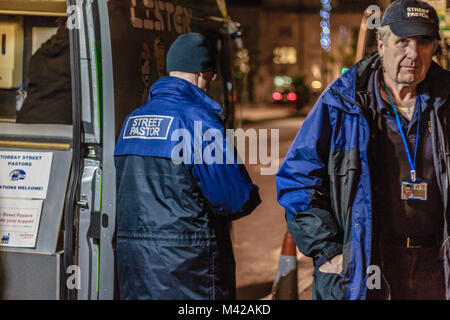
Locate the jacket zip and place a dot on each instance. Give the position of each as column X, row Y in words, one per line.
column 364, row 97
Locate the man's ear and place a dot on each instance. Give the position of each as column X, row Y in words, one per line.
column 380, row 46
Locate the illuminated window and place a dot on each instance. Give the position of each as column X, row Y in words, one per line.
column 316, row 84
column 282, row 81
column 285, row 55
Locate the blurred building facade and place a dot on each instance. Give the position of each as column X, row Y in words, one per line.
column 283, row 38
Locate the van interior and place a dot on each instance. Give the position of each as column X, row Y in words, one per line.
column 22, row 34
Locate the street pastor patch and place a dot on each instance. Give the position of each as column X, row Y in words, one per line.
column 147, row 127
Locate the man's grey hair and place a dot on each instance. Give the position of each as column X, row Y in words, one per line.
column 383, row 33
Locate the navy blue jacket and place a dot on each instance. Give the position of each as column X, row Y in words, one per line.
column 177, row 191
column 325, row 186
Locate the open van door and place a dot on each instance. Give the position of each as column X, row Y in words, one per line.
column 37, row 160
column 57, row 178
column 56, row 220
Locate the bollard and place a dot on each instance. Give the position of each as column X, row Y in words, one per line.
column 285, row 285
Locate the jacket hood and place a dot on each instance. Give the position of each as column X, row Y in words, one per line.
column 182, row 90
column 348, row 91
column 344, row 92
column 56, row 43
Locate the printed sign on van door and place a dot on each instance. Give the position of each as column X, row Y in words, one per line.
column 19, row 222
column 24, row 174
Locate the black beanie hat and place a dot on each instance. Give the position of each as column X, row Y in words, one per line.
column 190, row 53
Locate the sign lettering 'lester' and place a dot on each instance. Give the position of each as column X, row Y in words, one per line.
column 160, row 16
column 147, row 127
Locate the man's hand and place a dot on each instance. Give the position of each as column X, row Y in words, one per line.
column 334, row 265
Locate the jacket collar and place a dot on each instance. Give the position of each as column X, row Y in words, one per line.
column 182, row 90
column 346, row 92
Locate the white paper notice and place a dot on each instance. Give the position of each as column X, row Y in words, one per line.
column 19, row 222
column 24, row 174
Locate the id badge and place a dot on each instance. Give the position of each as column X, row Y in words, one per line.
column 414, row 190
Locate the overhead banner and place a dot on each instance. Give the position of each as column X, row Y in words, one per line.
column 24, row 174
column 19, row 222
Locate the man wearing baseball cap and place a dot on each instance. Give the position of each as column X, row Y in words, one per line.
column 377, row 132
column 177, row 188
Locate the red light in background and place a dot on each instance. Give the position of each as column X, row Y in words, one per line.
column 292, row 96
column 277, row 96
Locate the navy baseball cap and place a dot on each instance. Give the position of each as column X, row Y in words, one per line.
column 409, row 18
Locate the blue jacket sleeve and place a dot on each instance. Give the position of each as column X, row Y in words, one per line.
column 303, row 189
column 227, row 186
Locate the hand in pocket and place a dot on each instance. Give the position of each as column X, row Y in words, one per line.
column 334, row 265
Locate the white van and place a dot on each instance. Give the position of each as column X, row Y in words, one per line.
column 57, row 175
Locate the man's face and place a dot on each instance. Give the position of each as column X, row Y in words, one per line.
column 406, row 60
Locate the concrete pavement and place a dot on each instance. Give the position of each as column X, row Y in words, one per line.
column 247, row 114
column 257, row 238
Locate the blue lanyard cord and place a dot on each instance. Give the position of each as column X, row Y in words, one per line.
column 412, row 163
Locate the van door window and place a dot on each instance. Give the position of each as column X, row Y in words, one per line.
column 35, row 75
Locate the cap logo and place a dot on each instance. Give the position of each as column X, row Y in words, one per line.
column 418, row 12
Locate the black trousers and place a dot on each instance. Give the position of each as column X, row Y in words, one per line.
column 411, row 274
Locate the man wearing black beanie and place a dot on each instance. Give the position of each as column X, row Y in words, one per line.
column 175, row 196
column 190, row 58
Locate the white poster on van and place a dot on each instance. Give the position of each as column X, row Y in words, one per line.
column 24, row 174
column 19, row 222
